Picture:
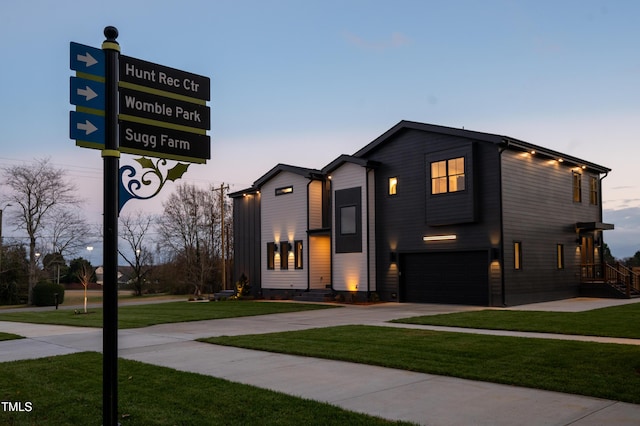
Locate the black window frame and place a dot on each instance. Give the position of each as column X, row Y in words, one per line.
column 284, row 190
column 447, row 176
column 576, row 186
column 284, row 255
column 517, row 255
column 271, row 256
column 298, row 254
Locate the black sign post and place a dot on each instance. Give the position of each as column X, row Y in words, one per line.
column 111, row 156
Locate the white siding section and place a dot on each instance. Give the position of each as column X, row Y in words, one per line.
column 350, row 270
column 284, row 218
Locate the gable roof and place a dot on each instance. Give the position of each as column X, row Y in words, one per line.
column 279, row 168
column 347, row 159
column 502, row 141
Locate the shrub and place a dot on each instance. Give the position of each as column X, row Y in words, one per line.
column 44, row 294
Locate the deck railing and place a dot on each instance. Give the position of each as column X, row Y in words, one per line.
column 621, row 275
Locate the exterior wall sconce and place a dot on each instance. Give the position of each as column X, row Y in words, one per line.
column 275, row 247
column 495, row 254
column 439, row 237
column 393, row 257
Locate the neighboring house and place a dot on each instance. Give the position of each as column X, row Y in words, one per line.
column 426, row 213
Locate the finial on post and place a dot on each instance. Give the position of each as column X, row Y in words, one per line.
column 111, row 33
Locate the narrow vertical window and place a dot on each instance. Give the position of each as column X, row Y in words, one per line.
column 271, row 255
column 517, row 255
column 393, row 185
column 284, row 255
column 560, row 256
column 577, row 187
column 297, row 249
column 593, row 190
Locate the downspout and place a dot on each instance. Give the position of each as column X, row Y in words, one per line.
column 368, row 238
column 603, row 262
column 308, row 244
column 503, row 286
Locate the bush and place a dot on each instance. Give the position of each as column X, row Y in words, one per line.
column 44, row 294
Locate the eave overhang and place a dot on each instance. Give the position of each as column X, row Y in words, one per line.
column 594, row 226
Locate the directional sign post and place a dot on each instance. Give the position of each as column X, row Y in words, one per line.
column 125, row 104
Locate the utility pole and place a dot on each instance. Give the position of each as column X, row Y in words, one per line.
column 223, row 188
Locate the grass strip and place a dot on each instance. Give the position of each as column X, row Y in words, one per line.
column 9, row 336
column 617, row 321
column 594, row 369
column 67, row 390
column 161, row 313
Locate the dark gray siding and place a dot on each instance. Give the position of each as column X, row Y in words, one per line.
column 540, row 213
column 246, row 247
column 401, row 220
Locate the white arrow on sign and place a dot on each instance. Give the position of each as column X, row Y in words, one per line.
column 87, row 126
column 87, row 59
column 88, row 93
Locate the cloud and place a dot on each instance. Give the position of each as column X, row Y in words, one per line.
column 395, row 40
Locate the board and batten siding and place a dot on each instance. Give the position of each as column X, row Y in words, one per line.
column 246, row 231
column 315, row 204
column 284, row 218
column 539, row 212
column 351, row 270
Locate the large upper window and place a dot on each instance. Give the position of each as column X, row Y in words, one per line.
column 593, row 191
column 577, row 187
column 447, row 176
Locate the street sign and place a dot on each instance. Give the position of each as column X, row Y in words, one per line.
column 86, row 127
column 154, row 141
column 86, row 59
column 87, row 93
column 159, row 77
column 166, row 110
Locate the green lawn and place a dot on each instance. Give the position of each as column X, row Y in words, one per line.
column 8, row 336
column 67, row 390
column 600, row 370
column 162, row 313
column 617, row 321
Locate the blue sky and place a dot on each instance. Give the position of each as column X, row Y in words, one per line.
column 302, row 82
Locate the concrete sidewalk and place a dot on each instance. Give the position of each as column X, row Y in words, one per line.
column 389, row 393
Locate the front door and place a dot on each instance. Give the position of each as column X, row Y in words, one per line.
column 590, row 270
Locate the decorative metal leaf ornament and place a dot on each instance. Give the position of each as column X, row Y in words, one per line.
column 149, row 183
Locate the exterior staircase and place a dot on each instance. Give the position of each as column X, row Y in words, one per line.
column 619, row 282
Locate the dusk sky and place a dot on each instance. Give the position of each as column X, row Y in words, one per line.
column 301, row 82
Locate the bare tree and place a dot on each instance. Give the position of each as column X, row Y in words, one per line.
column 36, row 190
column 187, row 229
column 84, row 274
column 134, row 229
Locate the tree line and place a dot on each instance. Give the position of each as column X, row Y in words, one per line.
column 178, row 251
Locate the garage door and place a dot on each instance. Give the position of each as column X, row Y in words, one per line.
column 451, row 277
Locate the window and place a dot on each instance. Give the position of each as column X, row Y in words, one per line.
column 393, row 185
column 297, row 250
column 284, row 255
column 271, row 255
column 517, row 255
column 560, row 256
column 284, row 190
column 348, row 220
column 447, row 176
column 577, row 187
column 593, row 191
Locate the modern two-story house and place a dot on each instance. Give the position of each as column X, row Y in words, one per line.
column 426, row 213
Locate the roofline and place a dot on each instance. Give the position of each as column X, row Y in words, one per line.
column 344, row 158
column 302, row 171
column 500, row 140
